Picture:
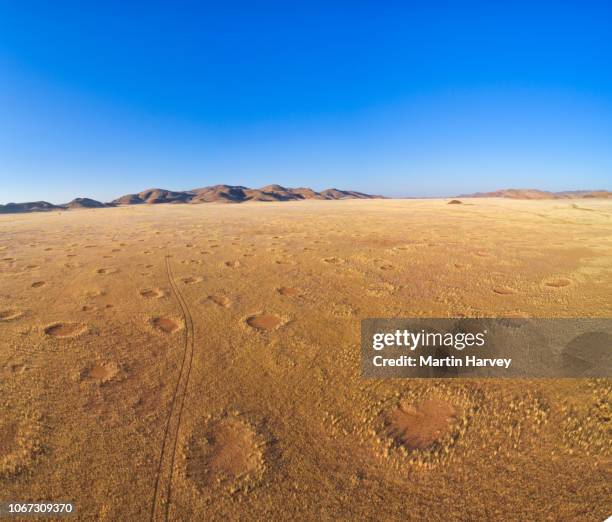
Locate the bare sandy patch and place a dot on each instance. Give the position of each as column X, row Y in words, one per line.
column 219, row 300
column 65, row 330
column 264, row 322
column 421, row 425
column 103, row 371
column 166, row 325
column 191, row 280
column 224, row 452
column 155, row 293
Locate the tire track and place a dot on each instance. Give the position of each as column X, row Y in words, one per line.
column 162, row 495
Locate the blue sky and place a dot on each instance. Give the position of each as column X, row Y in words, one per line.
column 403, row 99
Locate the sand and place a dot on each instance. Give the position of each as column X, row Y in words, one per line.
column 209, row 355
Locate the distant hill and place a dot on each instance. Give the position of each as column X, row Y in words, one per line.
column 213, row 194
column 154, row 196
column 85, row 203
column 540, row 194
column 45, row 206
column 33, row 206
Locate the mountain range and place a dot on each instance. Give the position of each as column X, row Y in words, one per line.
column 212, row 194
column 240, row 194
column 540, row 194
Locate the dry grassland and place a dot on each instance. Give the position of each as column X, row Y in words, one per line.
column 201, row 362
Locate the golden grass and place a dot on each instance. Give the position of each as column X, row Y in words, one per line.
column 253, row 311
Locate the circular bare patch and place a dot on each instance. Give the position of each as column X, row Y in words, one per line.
column 148, row 293
column 428, row 428
column 420, row 426
column 226, row 452
column 191, row 280
column 103, row 372
column 264, row 322
column 219, row 300
column 165, row 324
column 64, row 330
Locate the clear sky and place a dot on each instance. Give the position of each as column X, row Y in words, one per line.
column 404, row 99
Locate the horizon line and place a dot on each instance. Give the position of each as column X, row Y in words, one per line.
column 379, row 195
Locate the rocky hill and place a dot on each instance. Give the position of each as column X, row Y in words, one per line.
column 85, row 203
column 32, row 206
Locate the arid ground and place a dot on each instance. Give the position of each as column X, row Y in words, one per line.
column 202, row 362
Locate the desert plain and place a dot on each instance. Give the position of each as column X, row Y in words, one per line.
column 202, row 362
